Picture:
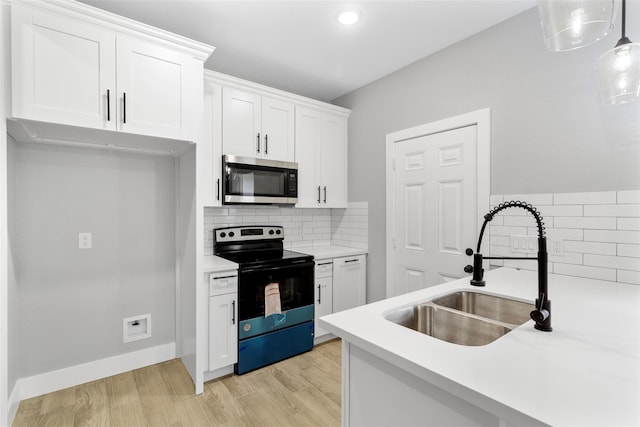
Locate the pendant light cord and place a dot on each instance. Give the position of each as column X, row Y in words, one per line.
column 624, row 16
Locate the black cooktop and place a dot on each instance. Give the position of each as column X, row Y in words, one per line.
column 246, row 258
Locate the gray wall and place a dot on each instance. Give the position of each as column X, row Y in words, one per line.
column 71, row 302
column 549, row 131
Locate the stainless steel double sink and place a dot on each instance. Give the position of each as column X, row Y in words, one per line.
column 464, row 317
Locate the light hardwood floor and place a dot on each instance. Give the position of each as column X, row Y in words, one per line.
column 301, row 391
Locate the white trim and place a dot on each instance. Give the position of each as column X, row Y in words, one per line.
column 482, row 120
column 226, row 80
column 48, row 382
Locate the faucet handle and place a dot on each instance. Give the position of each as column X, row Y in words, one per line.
column 541, row 314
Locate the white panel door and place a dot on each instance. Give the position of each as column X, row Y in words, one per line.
column 241, row 123
column 334, row 161
column 62, row 70
column 435, row 207
column 223, row 331
column 278, row 129
column 152, row 89
column 307, row 143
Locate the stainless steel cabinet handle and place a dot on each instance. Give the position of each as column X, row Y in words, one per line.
column 319, row 295
column 266, row 143
column 318, row 194
column 218, row 190
column 325, row 194
column 124, row 107
column 233, row 312
column 258, row 140
column 108, row 105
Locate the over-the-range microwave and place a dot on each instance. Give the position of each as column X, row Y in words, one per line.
column 247, row 180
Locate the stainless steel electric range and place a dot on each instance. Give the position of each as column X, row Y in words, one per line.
column 275, row 294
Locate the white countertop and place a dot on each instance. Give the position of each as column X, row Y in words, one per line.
column 215, row 264
column 585, row 372
column 329, row 251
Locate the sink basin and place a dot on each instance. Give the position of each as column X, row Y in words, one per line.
column 493, row 307
column 464, row 317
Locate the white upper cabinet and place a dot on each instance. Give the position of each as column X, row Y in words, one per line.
column 70, row 67
column 63, row 70
column 210, row 153
column 321, row 153
column 152, row 85
column 257, row 126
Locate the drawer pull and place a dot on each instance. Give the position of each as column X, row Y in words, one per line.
column 351, row 260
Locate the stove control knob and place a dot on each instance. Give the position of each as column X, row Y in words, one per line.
column 278, row 231
column 223, row 234
column 231, row 234
column 270, row 231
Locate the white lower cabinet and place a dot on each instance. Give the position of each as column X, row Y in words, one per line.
column 349, row 282
column 223, row 315
column 323, row 293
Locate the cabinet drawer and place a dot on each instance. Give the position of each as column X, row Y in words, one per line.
column 222, row 284
column 324, row 268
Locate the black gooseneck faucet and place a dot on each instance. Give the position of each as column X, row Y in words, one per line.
column 542, row 314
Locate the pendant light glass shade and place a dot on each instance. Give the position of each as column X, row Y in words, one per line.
column 570, row 24
column 619, row 70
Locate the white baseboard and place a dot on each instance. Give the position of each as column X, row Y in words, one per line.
column 13, row 404
column 48, row 382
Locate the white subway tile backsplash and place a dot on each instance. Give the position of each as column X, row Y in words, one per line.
column 629, row 210
column 628, row 223
column 629, row 250
column 584, row 198
column 598, row 223
column 533, row 199
column 626, row 276
column 632, row 237
column 629, row 196
column 585, row 271
column 618, row 262
column 302, row 227
column 600, row 232
column 590, row 247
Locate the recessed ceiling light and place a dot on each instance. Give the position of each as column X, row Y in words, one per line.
column 348, row 17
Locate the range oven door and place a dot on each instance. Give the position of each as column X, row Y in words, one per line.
column 295, row 281
column 266, row 340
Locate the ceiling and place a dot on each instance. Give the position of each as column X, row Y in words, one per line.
column 299, row 46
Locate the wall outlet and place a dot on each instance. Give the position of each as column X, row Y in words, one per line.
column 555, row 247
column 136, row 328
column 523, row 244
column 84, row 240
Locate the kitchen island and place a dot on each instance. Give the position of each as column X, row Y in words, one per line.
column 585, row 372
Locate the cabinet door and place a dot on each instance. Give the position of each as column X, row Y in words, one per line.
column 278, row 129
column 241, row 123
column 210, row 150
column 153, row 89
column 62, row 69
column 349, row 282
column 223, row 331
column 323, row 295
column 334, row 161
column 308, row 124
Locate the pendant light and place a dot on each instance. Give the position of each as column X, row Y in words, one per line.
column 619, row 70
column 570, row 24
